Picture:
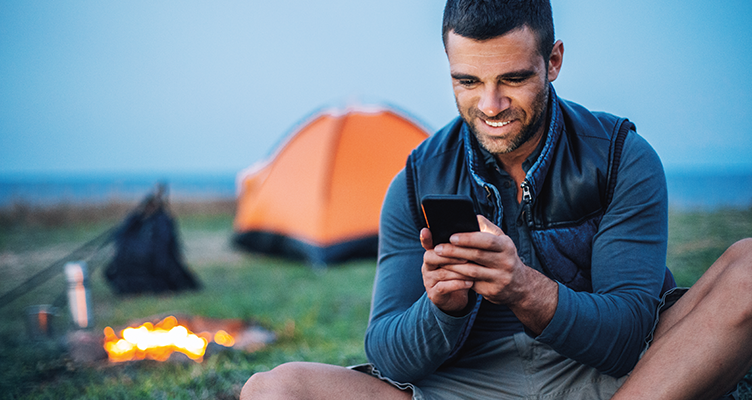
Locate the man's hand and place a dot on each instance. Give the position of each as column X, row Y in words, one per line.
column 448, row 290
column 489, row 260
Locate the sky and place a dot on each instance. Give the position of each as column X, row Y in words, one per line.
column 213, row 87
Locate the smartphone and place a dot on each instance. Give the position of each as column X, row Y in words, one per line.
column 448, row 214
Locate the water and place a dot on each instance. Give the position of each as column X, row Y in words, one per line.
column 687, row 191
column 48, row 190
column 709, row 191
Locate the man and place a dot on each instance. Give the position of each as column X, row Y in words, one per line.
column 561, row 290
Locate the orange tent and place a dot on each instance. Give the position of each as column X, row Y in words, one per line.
column 319, row 197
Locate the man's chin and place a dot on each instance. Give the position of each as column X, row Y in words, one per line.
column 495, row 146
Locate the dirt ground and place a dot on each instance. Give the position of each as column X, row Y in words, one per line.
column 210, row 247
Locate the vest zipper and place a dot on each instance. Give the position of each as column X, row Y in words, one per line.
column 527, row 203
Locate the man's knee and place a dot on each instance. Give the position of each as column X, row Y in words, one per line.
column 738, row 258
column 255, row 386
column 742, row 250
column 275, row 384
column 738, row 282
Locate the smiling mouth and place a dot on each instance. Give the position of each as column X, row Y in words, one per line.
column 497, row 124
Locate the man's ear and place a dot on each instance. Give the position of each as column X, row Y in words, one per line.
column 555, row 60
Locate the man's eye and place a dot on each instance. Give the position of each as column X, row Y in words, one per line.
column 516, row 79
column 467, row 82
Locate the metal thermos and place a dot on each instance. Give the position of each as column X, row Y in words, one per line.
column 78, row 294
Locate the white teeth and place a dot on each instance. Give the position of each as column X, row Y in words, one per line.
column 497, row 124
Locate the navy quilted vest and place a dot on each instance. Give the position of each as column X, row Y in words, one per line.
column 565, row 193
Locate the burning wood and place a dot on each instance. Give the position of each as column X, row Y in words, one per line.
column 158, row 341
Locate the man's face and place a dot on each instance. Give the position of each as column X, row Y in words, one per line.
column 501, row 88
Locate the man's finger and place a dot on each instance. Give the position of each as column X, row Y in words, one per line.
column 470, row 271
column 436, row 260
column 488, row 226
column 426, row 240
column 445, row 273
column 455, row 285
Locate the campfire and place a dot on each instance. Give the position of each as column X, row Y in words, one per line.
column 158, row 341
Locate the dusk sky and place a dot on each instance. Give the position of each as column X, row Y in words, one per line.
column 212, row 87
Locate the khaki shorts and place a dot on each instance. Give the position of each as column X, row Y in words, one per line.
column 517, row 367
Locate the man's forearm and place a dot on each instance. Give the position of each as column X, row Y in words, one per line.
column 537, row 303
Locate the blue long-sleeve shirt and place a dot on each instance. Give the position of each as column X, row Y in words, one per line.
column 409, row 337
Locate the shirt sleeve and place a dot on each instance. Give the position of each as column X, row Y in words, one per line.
column 408, row 337
column 606, row 329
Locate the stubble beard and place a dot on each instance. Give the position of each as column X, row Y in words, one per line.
column 497, row 146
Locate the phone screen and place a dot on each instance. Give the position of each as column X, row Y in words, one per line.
column 448, row 214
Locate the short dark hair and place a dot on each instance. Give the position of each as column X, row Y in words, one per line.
column 487, row 19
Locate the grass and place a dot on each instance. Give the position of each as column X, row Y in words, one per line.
column 317, row 315
column 697, row 239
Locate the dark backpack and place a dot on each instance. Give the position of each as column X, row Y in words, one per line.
column 147, row 256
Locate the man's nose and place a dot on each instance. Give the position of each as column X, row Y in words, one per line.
column 493, row 101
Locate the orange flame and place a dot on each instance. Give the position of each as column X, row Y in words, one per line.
column 224, row 338
column 158, row 342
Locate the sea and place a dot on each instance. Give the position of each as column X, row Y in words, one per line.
column 687, row 190
column 48, row 190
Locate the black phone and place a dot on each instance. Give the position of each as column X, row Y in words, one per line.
column 448, row 214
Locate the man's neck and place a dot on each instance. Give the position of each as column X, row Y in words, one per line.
column 512, row 162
